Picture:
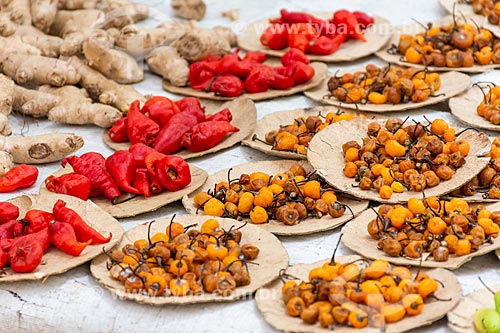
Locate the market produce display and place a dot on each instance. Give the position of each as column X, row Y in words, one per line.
column 351, row 294
column 128, row 182
column 452, row 43
column 301, row 124
column 389, row 88
column 478, row 106
column 226, row 77
column 283, row 197
column 326, row 36
column 445, row 234
column 391, row 160
column 44, row 235
column 415, row 190
column 213, row 127
column 194, row 259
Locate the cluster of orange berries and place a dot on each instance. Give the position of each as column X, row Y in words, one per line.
column 347, row 295
column 399, row 157
column 288, row 197
column 295, row 137
column 184, row 262
column 384, row 85
column 433, row 226
column 489, row 108
column 454, row 45
column 488, row 8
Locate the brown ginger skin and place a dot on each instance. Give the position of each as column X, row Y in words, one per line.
column 189, row 9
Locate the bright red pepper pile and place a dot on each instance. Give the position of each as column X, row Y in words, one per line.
column 140, row 170
column 313, row 35
column 230, row 75
column 23, row 241
column 171, row 126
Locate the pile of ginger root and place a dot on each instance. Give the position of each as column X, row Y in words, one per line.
column 74, row 61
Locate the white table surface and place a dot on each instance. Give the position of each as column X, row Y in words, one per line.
column 74, row 302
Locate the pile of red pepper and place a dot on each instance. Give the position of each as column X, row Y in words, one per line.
column 230, row 75
column 170, row 126
column 20, row 176
column 314, row 35
column 23, row 241
column 140, row 170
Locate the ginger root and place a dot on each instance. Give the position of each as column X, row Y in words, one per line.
column 33, row 103
column 7, row 87
column 189, row 9
column 40, row 149
column 75, row 107
column 227, row 34
column 43, row 13
column 231, row 14
column 18, row 10
column 5, row 125
column 199, row 43
column 105, row 90
column 114, row 64
column 138, row 41
column 120, row 13
column 166, row 62
column 6, row 162
column 38, row 70
column 70, row 21
column 77, row 4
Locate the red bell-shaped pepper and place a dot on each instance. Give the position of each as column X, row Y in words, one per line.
column 206, row 135
column 174, row 173
column 275, row 37
column 25, row 255
column 64, row 238
column 8, row 212
column 20, row 176
column 139, row 127
column 160, row 109
column 7, row 229
column 324, row 45
column 121, row 167
column 141, row 182
column 72, row 184
column 37, row 220
column 170, row 137
column 260, row 79
column 139, row 152
column 292, row 56
column 227, row 85
column 42, row 237
column 346, row 23
column 4, row 259
column 92, row 165
column 84, row 232
column 118, row 132
column 192, row 106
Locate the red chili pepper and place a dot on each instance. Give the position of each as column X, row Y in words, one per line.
column 92, row 165
column 275, row 37
column 155, row 185
column 139, row 127
column 160, row 109
column 292, row 56
column 170, row 136
column 37, row 220
column 8, row 212
column 227, row 85
column 151, row 160
column 141, row 182
column 254, row 56
column 4, row 259
column 300, row 17
column 298, row 41
column 201, row 74
column 64, row 238
column 25, row 255
column 192, row 106
column 206, row 135
column 71, row 184
column 118, row 132
column 364, row 19
column 224, row 114
column 346, row 23
column 174, row 173
column 121, row 167
column 303, row 73
column 324, row 45
column 41, row 237
column 7, row 229
column 139, row 152
column 84, row 232
column 282, row 78
column 260, row 79
column 20, row 176
column 228, row 62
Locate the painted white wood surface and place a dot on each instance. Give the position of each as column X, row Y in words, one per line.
column 74, row 302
